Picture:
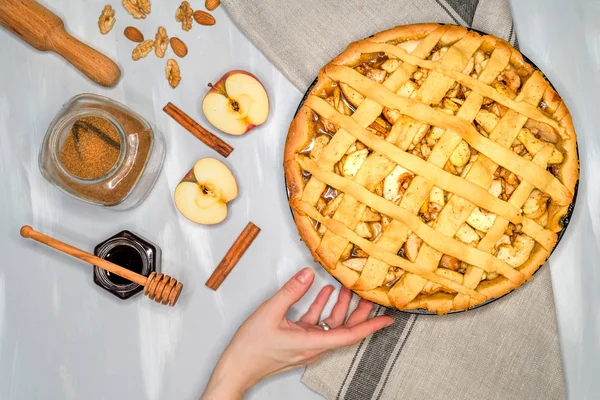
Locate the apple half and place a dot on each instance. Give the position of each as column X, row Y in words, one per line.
column 236, row 103
column 203, row 193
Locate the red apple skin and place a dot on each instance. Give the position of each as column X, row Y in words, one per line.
column 221, row 82
column 189, row 177
column 221, row 85
column 250, row 126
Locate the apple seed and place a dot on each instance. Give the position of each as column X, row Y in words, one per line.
column 234, row 104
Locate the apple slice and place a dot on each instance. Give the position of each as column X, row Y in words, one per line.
column 236, row 103
column 203, row 193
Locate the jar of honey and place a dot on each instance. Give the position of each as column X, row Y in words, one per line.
column 102, row 152
column 128, row 250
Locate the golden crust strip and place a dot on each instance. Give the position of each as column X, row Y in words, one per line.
column 440, row 178
column 373, row 274
column 419, row 31
column 545, row 237
column 524, row 108
column 445, row 245
column 531, row 172
column 380, row 253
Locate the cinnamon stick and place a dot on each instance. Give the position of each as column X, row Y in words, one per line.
column 197, row 130
column 234, row 254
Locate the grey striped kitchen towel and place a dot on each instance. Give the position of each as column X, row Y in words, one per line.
column 508, row 349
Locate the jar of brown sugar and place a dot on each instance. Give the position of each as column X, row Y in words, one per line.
column 102, row 152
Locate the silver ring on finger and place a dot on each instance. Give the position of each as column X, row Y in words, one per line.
column 324, row 325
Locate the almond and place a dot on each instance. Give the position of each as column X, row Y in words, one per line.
column 179, row 48
column 212, row 4
column 204, row 18
column 133, row 34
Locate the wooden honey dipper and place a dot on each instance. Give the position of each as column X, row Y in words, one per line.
column 158, row 287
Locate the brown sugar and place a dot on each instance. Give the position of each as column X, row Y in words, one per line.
column 91, row 149
column 115, row 189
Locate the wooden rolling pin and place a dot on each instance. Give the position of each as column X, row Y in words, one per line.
column 43, row 30
column 158, row 287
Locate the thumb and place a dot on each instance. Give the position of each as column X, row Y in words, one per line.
column 291, row 292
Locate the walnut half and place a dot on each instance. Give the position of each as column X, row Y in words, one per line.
column 137, row 8
column 144, row 6
column 106, row 20
column 142, row 50
column 184, row 15
column 173, row 73
column 161, row 41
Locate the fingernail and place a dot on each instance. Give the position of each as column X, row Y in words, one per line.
column 304, row 275
column 391, row 322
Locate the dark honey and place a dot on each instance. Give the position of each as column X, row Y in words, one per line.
column 126, row 257
column 129, row 251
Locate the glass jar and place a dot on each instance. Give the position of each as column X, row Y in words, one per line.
column 138, row 152
column 129, row 251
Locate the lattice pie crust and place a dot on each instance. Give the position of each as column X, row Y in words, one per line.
column 430, row 168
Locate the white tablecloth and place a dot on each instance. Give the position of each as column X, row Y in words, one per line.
column 62, row 337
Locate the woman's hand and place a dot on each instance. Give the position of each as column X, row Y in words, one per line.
column 268, row 343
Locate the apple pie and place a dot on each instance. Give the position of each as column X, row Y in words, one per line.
column 431, row 167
